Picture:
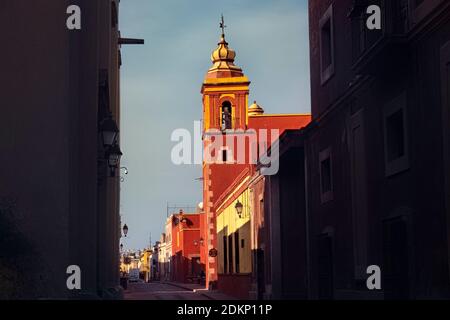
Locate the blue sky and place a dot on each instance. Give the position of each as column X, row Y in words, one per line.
column 161, row 81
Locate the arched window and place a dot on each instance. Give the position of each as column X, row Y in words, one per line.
column 227, row 111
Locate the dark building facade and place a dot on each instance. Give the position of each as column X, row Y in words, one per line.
column 284, row 249
column 59, row 198
column 377, row 151
column 366, row 183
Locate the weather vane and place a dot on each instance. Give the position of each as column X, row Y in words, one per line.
column 223, row 26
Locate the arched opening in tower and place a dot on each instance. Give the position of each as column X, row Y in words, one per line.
column 227, row 111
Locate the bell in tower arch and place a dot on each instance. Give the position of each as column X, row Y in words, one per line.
column 227, row 116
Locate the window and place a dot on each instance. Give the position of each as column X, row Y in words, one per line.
column 230, row 254
column 364, row 39
column 395, row 137
column 326, row 46
column 326, row 176
column 226, row 156
column 325, row 168
column 236, row 252
column 225, row 260
column 227, row 111
column 395, row 132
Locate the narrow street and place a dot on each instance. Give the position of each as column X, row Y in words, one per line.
column 159, row 291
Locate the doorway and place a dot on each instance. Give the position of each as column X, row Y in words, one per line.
column 325, row 267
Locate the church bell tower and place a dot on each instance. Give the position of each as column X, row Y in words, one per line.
column 225, row 91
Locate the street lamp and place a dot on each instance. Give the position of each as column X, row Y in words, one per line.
column 121, row 247
column 125, row 230
column 109, row 131
column 125, row 170
column 114, row 155
column 239, row 207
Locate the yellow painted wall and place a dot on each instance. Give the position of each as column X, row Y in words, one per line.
column 228, row 222
column 145, row 261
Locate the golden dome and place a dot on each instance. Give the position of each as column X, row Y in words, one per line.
column 223, row 53
column 223, row 62
column 255, row 110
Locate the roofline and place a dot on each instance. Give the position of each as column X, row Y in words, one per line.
column 300, row 133
column 281, row 115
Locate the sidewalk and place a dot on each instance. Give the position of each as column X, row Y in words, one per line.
column 186, row 286
column 214, row 294
column 199, row 289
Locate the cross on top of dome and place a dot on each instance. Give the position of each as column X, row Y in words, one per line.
column 223, row 59
column 222, row 26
